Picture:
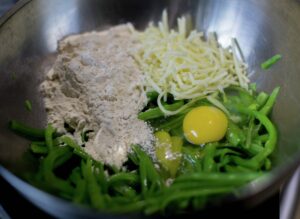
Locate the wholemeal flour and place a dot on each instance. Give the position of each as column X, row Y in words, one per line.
column 95, row 85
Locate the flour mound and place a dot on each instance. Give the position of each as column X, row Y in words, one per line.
column 96, row 85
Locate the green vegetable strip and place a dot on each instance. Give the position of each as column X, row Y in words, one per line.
column 153, row 176
column 249, row 133
column 208, row 160
column 161, row 204
column 216, row 177
column 77, row 149
column 238, row 169
column 143, row 176
column 94, row 191
column 101, row 177
column 255, row 162
column 172, row 124
column 267, row 64
column 80, row 191
column 152, row 95
column 270, row 102
column 130, row 178
column 49, row 137
column 264, row 137
column 28, row 105
column 157, row 113
column 25, row 130
column 125, row 190
column 75, row 175
column 35, row 148
column 261, row 99
column 48, row 167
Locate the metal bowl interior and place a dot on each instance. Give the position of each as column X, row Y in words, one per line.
column 29, row 35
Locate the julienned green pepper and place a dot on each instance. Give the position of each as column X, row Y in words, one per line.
column 234, row 134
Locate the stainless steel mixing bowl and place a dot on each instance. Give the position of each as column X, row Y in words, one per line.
column 28, row 40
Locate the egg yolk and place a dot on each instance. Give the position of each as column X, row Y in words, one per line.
column 204, row 124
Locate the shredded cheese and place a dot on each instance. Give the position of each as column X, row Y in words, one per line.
column 185, row 65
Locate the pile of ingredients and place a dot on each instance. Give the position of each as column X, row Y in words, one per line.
column 157, row 121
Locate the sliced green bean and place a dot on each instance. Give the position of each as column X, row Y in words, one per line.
column 157, row 113
column 161, row 204
column 96, row 198
column 217, row 177
column 270, row 144
column 123, row 178
column 234, row 134
column 49, row 136
column 25, row 130
column 80, row 191
column 35, row 148
column 270, row 102
column 48, row 167
column 208, row 159
column 28, row 105
column 152, row 95
column 271, row 61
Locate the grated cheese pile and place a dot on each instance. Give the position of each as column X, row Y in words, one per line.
column 185, row 65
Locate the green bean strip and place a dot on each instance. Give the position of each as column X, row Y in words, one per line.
column 263, row 138
column 157, row 113
column 125, row 190
column 249, row 133
column 80, row 191
column 75, row 175
column 270, row 102
column 217, row 177
column 255, row 149
column 238, row 169
column 261, row 99
column 208, row 160
column 77, row 149
column 35, row 148
column 25, row 130
column 255, row 162
column 49, row 137
column 153, row 206
column 48, row 166
column 271, row 61
column 101, row 177
column 28, row 105
column 130, row 178
column 172, row 123
column 152, row 95
column 234, row 134
column 143, row 176
column 153, row 176
column 93, row 188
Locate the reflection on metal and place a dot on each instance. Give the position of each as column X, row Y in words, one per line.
column 290, row 198
column 59, row 23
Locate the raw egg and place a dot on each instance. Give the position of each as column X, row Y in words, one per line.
column 204, row 124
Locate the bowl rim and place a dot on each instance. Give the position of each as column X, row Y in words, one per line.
column 246, row 193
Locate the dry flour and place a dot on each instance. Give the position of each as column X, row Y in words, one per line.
column 96, row 85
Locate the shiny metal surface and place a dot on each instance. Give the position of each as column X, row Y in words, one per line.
column 28, row 39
